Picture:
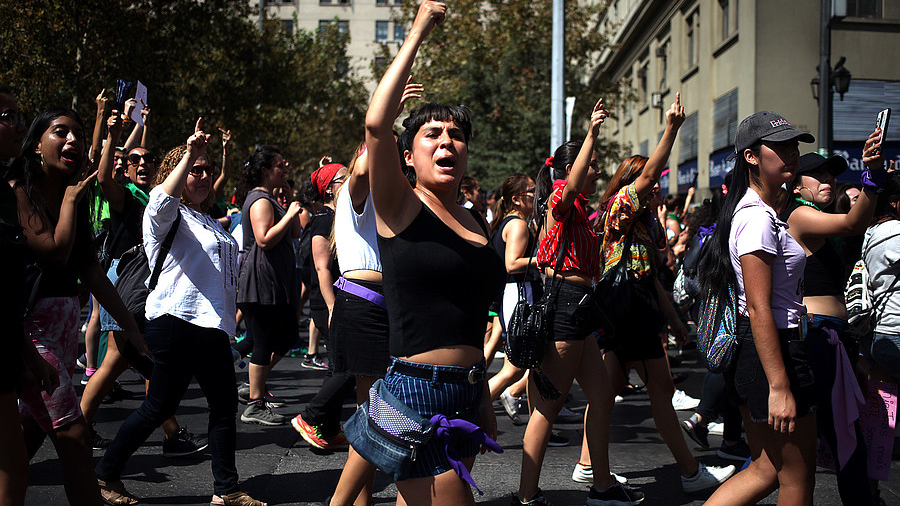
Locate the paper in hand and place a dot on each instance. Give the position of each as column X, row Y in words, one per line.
column 140, row 96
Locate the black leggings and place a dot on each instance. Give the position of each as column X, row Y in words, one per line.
column 715, row 400
column 272, row 328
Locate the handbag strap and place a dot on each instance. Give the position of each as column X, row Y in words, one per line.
column 563, row 245
column 164, row 252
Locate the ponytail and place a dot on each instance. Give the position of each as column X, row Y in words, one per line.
column 716, row 260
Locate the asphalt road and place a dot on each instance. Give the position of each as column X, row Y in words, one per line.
column 278, row 466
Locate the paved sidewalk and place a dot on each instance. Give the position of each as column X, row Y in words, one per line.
column 278, row 466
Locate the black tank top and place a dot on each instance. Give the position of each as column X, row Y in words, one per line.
column 437, row 286
column 266, row 276
column 824, row 272
column 500, row 247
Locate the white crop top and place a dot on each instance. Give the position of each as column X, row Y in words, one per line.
column 355, row 236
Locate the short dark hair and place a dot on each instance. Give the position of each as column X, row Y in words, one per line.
column 436, row 112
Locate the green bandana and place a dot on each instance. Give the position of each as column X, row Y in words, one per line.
column 138, row 194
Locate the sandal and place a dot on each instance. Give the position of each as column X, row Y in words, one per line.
column 237, row 499
column 114, row 493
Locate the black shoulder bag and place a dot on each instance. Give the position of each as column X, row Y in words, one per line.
column 530, row 325
column 133, row 270
column 613, row 291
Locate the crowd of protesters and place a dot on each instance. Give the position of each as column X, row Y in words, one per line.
column 412, row 276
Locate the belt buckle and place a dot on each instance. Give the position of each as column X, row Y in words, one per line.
column 471, row 376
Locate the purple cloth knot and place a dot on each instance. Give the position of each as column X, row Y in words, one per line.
column 703, row 233
column 447, row 430
column 846, row 398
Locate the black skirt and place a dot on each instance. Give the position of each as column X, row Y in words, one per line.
column 359, row 334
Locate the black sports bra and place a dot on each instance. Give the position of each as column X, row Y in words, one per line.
column 437, row 286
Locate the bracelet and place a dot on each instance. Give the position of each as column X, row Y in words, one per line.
column 873, row 180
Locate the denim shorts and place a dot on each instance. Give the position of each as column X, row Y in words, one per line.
column 884, row 350
column 571, row 319
column 107, row 322
column 427, row 397
column 747, row 379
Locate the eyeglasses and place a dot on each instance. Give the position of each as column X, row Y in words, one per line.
column 11, row 118
column 135, row 158
column 337, row 180
column 529, row 191
column 198, row 170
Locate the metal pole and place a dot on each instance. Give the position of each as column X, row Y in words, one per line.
column 262, row 13
column 557, row 84
column 825, row 92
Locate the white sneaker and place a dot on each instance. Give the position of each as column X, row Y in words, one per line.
column 619, row 399
column 683, row 402
column 706, row 477
column 585, row 474
column 715, row 428
column 511, row 405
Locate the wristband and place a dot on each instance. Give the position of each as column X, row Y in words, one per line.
column 873, row 180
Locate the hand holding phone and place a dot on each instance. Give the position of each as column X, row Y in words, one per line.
column 881, row 121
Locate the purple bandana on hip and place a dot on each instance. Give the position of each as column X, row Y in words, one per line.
column 447, row 430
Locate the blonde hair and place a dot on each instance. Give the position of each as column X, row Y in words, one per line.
column 168, row 164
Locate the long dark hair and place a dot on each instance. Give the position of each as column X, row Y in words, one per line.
column 543, row 182
column 716, row 260
column 252, row 175
column 27, row 169
column 628, row 171
column 514, row 185
column 884, row 208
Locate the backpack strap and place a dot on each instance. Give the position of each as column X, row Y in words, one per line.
column 164, row 252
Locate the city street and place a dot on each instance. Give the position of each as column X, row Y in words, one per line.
column 278, row 466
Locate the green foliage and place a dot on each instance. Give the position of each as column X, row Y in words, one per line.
column 494, row 57
column 197, row 58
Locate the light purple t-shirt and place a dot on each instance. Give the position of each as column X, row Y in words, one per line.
column 756, row 227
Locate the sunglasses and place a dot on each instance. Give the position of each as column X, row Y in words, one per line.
column 135, row 158
column 11, row 118
column 198, row 170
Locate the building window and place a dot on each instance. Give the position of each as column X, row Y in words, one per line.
column 399, row 32
column 386, row 3
column 662, row 57
column 287, row 25
column 643, row 96
column 628, row 110
column 644, row 149
column 381, row 31
column 865, row 9
column 692, row 39
column 725, row 119
column 334, row 2
column 379, row 66
column 688, row 135
column 728, row 18
column 724, row 21
column 342, row 24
